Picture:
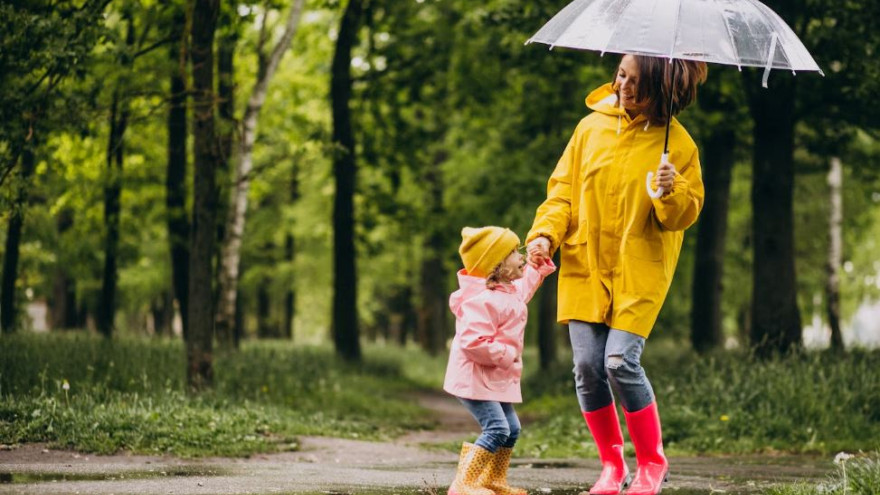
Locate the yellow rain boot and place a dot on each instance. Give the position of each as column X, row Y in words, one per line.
column 472, row 461
column 495, row 477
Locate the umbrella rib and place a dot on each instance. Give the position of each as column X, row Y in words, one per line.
column 675, row 31
column 774, row 19
column 732, row 40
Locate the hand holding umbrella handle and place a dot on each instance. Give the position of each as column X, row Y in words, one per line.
column 664, row 159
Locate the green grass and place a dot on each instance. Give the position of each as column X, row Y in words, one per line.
column 727, row 403
column 130, row 394
column 855, row 476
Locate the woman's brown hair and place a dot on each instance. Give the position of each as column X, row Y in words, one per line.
column 655, row 75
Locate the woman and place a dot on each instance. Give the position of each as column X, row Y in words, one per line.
column 619, row 249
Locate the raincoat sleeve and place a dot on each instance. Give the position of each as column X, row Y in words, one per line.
column 532, row 279
column 477, row 339
column 679, row 208
column 554, row 215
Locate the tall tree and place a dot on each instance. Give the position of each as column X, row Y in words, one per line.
column 287, row 330
column 63, row 303
column 13, row 241
column 175, row 177
column 432, row 326
column 345, row 314
column 119, row 115
column 199, row 343
column 835, row 250
column 719, row 101
column 775, row 319
column 238, row 201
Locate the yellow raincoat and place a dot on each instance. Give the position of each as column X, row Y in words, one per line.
column 619, row 246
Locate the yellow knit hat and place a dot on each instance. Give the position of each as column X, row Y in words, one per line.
column 484, row 248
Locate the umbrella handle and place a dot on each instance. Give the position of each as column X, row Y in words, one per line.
column 664, row 158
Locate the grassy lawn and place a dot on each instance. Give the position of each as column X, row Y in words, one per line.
column 728, row 403
column 130, row 394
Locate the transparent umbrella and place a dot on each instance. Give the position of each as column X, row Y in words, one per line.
column 730, row 32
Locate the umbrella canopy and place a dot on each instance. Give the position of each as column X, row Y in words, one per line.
column 729, row 32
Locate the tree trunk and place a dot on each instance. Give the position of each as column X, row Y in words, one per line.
column 175, row 178
column 238, row 201
column 290, row 257
column 112, row 193
column 199, row 344
column 264, row 303
column 290, row 294
column 835, row 251
column 226, row 132
column 162, row 311
column 119, row 114
column 775, row 318
column 345, row 316
column 226, row 94
column 432, row 315
column 547, row 325
column 711, row 239
column 8, row 310
column 224, row 328
column 63, row 307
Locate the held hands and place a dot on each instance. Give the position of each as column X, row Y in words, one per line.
column 538, row 251
column 665, row 176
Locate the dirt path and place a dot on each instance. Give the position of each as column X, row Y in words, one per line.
column 337, row 466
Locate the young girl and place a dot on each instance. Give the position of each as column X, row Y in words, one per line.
column 485, row 362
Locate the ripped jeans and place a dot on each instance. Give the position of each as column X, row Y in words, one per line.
column 605, row 358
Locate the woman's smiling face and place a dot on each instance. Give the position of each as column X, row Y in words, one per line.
column 627, row 83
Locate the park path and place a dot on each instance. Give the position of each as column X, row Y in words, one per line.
column 333, row 466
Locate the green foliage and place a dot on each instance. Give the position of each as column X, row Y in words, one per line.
column 130, row 394
column 854, row 475
column 730, row 403
column 443, row 86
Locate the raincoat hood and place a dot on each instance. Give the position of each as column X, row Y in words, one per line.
column 468, row 287
column 603, row 99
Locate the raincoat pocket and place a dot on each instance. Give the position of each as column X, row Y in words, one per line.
column 497, row 379
column 643, row 277
column 643, row 271
column 644, row 249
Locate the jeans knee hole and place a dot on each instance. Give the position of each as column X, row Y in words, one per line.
column 615, row 362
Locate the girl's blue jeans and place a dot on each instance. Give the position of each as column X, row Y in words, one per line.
column 498, row 421
column 605, row 358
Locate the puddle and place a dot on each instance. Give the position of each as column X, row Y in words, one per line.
column 546, row 465
column 48, row 477
column 539, row 491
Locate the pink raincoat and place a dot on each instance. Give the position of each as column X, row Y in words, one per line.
column 485, row 362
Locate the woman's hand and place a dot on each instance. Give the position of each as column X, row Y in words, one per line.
column 665, row 176
column 539, row 251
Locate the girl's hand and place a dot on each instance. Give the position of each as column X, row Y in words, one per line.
column 665, row 176
column 539, row 251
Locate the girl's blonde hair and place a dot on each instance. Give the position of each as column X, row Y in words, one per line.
column 500, row 274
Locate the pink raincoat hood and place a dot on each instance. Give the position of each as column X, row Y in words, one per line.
column 468, row 287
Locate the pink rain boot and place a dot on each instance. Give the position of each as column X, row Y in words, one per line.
column 605, row 427
column 653, row 468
